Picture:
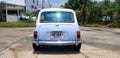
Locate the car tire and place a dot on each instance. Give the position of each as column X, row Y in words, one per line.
column 35, row 47
column 78, row 47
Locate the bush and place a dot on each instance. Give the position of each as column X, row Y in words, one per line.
column 114, row 23
column 16, row 24
column 28, row 21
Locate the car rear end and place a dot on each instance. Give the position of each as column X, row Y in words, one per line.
column 57, row 27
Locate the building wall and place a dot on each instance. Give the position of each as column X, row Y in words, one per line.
column 13, row 12
column 12, row 18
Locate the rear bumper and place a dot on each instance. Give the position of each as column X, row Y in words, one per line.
column 61, row 43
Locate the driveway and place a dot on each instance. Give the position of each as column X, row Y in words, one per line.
column 97, row 43
column 9, row 36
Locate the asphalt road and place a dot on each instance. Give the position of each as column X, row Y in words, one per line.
column 97, row 43
column 9, row 36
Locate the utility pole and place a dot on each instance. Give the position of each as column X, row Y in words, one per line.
column 6, row 10
column 2, row 6
column 49, row 4
column 43, row 4
column 84, row 11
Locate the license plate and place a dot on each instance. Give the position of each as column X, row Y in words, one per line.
column 57, row 34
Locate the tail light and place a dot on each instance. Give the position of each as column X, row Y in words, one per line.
column 35, row 34
column 78, row 34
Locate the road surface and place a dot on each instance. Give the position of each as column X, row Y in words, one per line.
column 97, row 43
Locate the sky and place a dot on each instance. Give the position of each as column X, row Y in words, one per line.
column 58, row 3
column 54, row 3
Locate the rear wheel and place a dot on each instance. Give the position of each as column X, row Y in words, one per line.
column 35, row 47
column 78, row 47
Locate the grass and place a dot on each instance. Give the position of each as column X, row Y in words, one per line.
column 95, row 25
column 16, row 24
column 102, row 25
column 31, row 24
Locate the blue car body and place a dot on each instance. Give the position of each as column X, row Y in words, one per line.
column 57, row 27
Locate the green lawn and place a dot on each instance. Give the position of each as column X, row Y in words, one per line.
column 16, row 24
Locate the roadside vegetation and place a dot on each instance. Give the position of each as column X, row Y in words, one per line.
column 89, row 13
column 95, row 14
column 16, row 24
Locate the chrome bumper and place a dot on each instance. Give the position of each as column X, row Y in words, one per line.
column 56, row 42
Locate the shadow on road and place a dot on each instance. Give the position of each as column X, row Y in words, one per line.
column 56, row 50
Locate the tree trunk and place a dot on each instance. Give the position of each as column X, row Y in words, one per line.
column 84, row 11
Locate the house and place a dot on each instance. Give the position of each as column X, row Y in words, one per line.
column 12, row 10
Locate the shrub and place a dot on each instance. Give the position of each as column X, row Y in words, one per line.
column 114, row 23
column 16, row 24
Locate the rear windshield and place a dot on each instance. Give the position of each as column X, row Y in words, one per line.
column 57, row 17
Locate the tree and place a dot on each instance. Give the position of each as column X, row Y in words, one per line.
column 79, row 5
column 85, row 12
column 106, row 2
column 73, row 4
column 95, row 12
column 92, row 11
column 118, row 1
column 2, row 7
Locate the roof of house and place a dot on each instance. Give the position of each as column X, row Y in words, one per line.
column 15, row 2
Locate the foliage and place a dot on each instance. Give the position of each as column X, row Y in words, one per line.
column 27, row 13
column 30, row 15
column 16, row 24
column 92, row 12
column 81, row 5
column 78, row 14
column 114, row 23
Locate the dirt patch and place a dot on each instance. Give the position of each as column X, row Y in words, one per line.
column 15, row 49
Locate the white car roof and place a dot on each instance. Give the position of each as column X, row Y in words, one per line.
column 56, row 9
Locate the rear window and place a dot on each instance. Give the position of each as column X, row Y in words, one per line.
column 57, row 17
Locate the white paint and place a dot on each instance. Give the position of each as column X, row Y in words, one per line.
column 16, row 2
